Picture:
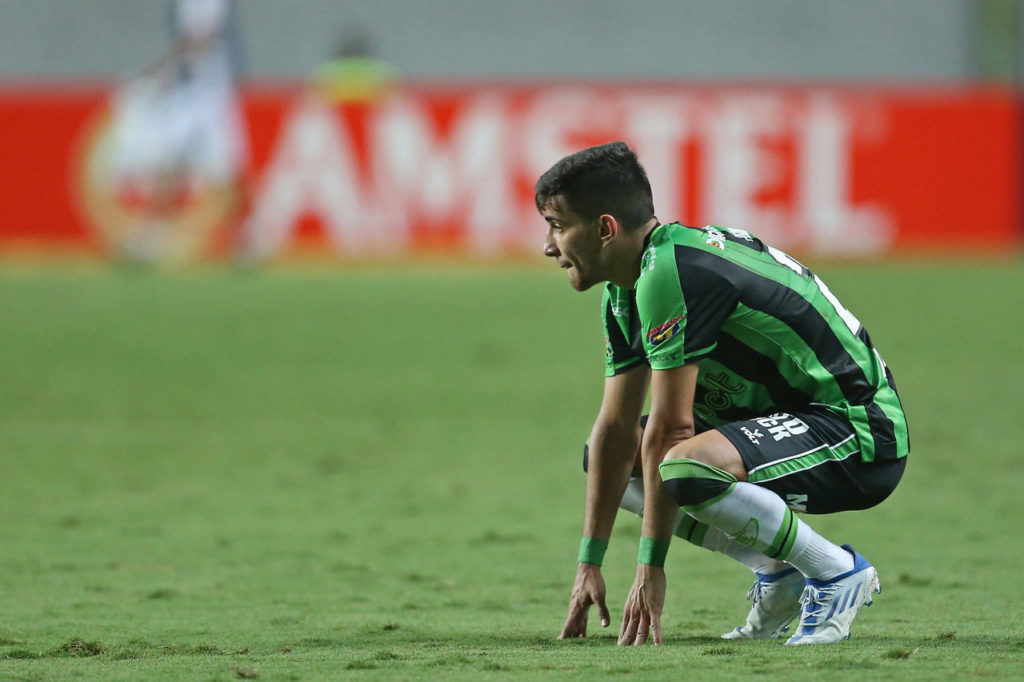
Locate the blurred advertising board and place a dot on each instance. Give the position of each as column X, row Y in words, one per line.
column 449, row 168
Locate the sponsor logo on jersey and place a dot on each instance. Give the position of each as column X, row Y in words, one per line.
column 740, row 234
column 721, row 390
column 620, row 305
column 647, row 262
column 716, row 237
column 663, row 333
column 668, row 357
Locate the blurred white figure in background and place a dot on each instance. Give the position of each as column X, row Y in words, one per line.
column 178, row 138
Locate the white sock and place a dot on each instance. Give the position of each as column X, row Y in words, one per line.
column 709, row 538
column 717, row 541
column 819, row 558
column 759, row 519
column 633, row 498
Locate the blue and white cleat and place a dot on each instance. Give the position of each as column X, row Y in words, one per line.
column 776, row 603
column 829, row 606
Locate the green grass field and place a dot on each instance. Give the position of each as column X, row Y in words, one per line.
column 375, row 474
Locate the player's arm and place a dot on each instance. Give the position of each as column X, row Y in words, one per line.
column 614, row 442
column 670, row 422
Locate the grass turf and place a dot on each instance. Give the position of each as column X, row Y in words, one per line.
column 376, row 474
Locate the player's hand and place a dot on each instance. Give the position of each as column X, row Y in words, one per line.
column 642, row 615
column 588, row 590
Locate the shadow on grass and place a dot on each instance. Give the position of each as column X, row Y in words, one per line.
column 455, row 649
column 392, row 634
column 383, row 644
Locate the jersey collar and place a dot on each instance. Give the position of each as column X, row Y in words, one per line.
column 647, row 237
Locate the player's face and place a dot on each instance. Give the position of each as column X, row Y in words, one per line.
column 575, row 246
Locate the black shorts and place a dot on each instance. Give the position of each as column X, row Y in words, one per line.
column 812, row 460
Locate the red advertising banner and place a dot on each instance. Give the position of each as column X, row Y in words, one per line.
column 836, row 171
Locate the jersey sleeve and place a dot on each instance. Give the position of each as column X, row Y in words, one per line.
column 619, row 355
column 682, row 306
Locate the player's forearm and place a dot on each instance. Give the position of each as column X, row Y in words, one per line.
column 660, row 510
column 612, row 452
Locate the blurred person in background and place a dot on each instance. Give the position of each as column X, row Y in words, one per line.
column 766, row 397
column 354, row 74
column 351, row 85
column 179, row 147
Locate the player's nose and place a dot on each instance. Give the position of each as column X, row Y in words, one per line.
column 550, row 249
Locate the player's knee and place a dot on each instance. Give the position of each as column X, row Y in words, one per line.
column 694, row 484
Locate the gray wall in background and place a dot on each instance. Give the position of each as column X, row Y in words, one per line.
column 892, row 40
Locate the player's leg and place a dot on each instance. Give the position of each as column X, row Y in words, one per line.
column 777, row 585
column 706, row 476
column 704, row 479
column 716, row 540
column 797, row 460
column 820, row 478
column 687, row 527
column 775, row 593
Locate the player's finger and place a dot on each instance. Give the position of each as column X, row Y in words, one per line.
column 624, row 624
column 629, row 628
column 656, row 629
column 602, row 610
column 570, row 632
column 642, row 630
column 575, row 625
column 567, row 630
column 578, row 610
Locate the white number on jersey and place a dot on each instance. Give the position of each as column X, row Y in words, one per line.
column 785, row 259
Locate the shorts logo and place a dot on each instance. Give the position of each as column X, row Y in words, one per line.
column 755, row 436
column 608, row 348
column 663, row 333
column 782, row 425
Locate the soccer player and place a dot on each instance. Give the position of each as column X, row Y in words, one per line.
column 179, row 147
column 766, row 397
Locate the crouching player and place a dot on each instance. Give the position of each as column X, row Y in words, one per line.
column 766, row 397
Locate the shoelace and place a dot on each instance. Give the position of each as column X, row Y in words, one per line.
column 813, row 606
column 755, row 591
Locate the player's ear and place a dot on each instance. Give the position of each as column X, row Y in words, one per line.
column 608, row 228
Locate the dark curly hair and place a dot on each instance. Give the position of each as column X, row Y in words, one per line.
column 598, row 180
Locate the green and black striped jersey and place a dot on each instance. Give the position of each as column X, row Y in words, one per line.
column 768, row 333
